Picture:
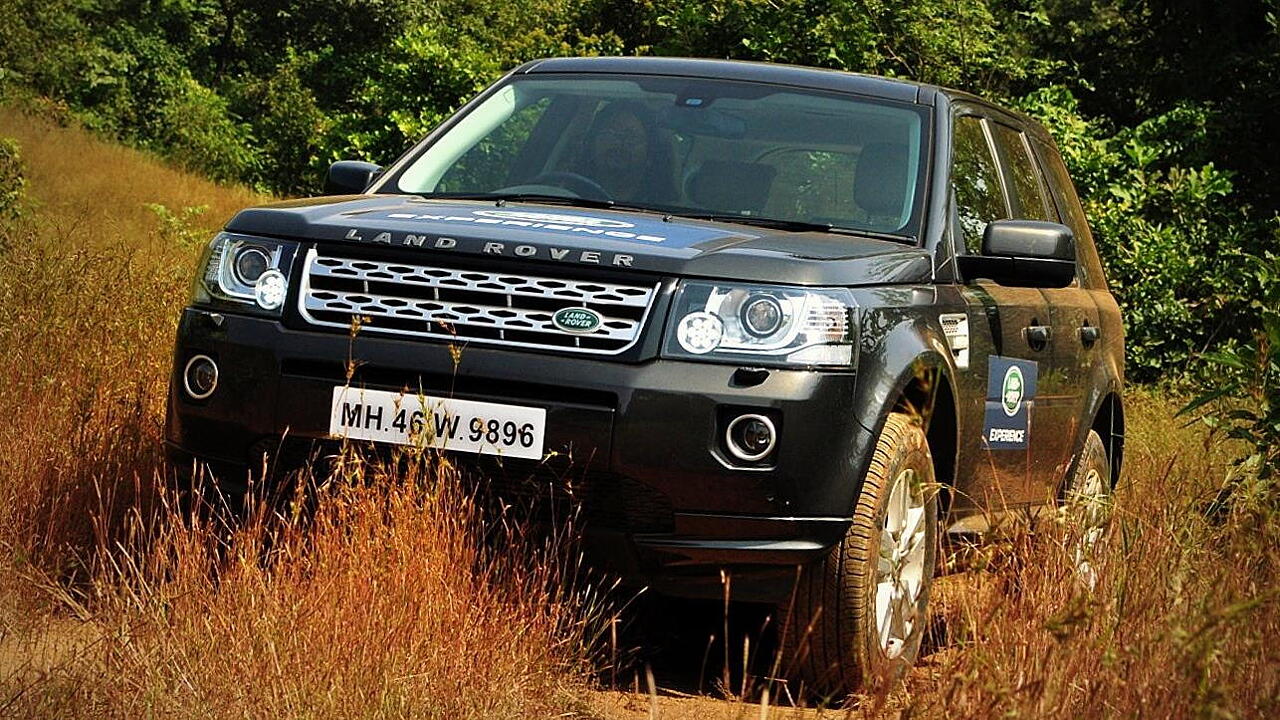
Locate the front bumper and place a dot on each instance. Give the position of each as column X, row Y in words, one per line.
column 651, row 430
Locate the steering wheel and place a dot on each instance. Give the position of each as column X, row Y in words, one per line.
column 580, row 185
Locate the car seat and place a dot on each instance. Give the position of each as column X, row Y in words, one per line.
column 731, row 186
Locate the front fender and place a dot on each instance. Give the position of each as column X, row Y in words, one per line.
column 902, row 353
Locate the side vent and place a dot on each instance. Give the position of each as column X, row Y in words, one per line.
column 956, row 327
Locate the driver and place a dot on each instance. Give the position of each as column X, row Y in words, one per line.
column 627, row 156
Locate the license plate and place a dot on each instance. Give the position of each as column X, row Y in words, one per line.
column 444, row 423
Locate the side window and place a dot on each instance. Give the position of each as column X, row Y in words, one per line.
column 1064, row 196
column 975, row 179
column 1028, row 199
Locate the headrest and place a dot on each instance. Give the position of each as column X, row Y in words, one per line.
column 731, row 186
column 880, row 179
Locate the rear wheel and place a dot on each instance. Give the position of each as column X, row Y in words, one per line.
column 860, row 613
column 1086, row 501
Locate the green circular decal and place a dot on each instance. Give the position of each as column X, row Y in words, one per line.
column 1011, row 392
column 576, row 319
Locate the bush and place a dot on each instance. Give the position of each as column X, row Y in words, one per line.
column 181, row 228
column 196, row 129
column 13, row 183
column 1167, row 227
column 293, row 134
column 1249, row 374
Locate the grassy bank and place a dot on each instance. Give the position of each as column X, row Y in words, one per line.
column 382, row 601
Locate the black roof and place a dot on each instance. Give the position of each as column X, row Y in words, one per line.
column 794, row 75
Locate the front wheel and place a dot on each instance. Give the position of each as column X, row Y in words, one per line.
column 860, row 613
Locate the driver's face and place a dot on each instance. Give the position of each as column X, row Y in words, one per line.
column 621, row 145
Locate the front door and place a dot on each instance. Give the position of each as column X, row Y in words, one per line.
column 1010, row 345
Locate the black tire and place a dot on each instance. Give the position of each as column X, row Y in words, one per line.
column 1086, row 501
column 830, row 638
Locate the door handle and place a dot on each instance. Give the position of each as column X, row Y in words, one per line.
column 1038, row 335
column 1089, row 334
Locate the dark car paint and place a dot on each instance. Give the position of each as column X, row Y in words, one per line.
column 728, row 251
column 661, row 414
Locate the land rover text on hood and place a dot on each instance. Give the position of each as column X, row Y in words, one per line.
column 793, row 325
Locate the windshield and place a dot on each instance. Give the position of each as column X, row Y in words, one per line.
column 697, row 147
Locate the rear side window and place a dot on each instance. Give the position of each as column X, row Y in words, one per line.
column 975, row 179
column 1028, row 199
column 1072, row 214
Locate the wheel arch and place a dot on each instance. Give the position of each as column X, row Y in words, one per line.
column 1108, row 422
column 906, row 365
column 929, row 394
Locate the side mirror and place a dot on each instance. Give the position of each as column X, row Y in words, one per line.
column 350, row 177
column 1029, row 239
column 1024, row 253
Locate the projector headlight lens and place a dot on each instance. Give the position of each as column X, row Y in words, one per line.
column 250, row 262
column 761, row 315
column 762, row 325
column 245, row 272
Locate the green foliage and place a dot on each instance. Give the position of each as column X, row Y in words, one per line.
column 1168, row 224
column 430, row 69
column 181, row 228
column 292, row 132
column 957, row 42
column 195, row 128
column 1249, row 374
column 13, row 184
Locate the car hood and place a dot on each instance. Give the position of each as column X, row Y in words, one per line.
column 618, row 239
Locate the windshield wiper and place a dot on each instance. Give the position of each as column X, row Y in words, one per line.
column 795, row 225
column 547, row 199
column 544, row 198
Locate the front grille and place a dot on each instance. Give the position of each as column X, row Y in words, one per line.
column 404, row 298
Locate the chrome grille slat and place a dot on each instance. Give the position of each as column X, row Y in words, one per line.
column 512, row 309
column 453, row 313
column 504, row 284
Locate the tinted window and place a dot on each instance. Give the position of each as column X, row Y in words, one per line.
column 489, row 163
column 976, row 181
column 1028, row 193
column 1072, row 214
column 683, row 145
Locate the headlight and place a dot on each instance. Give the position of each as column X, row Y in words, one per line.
column 244, row 271
column 762, row 325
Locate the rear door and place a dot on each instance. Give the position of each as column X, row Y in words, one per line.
column 1009, row 343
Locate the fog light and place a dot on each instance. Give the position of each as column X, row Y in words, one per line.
column 270, row 289
column 750, row 437
column 200, row 378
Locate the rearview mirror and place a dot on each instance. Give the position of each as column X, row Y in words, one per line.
column 350, row 177
column 1023, row 253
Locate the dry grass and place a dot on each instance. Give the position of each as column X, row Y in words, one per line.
column 1180, row 624
column 390, row 597
column 387, row 597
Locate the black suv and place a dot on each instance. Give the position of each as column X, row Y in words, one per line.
column 775, row 317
